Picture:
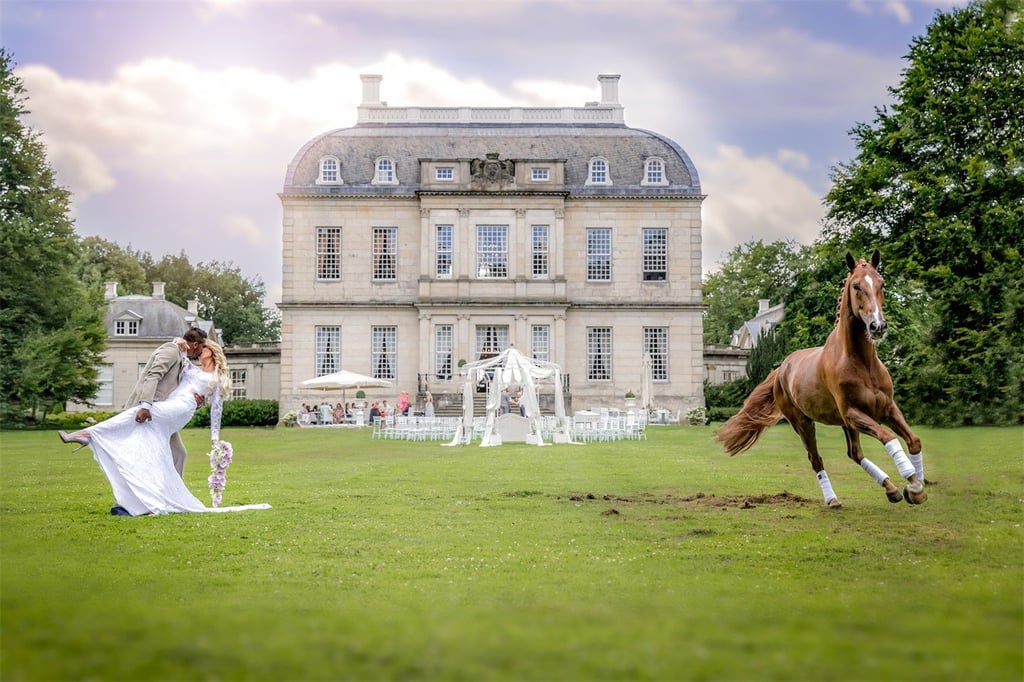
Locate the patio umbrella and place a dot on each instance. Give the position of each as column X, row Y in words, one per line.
column 647, row 382
column 344, row 380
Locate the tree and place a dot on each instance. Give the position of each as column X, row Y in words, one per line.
column 105, row 261
column 937, row 185
column 234, row 303
column 750, row 272
column 51, row 328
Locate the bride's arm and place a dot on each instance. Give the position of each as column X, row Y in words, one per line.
column 216, row 410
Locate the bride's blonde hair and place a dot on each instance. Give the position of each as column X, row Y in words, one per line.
column 220, row 363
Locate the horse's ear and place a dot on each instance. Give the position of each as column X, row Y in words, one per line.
column 850, row 262
column 876, row 258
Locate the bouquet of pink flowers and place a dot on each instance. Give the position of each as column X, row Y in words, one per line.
column 220, row 460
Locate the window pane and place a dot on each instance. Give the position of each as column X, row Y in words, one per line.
column 492, row 251
column 656, row 344
column 540, row 251
column 328, row 253
column 540, row 335
column 329, row 171
column 385, row 253
column 327, row 350
column 654, row 171
column 105, row 392
column 443, row 335
column 655, row 256
column 491, row 340
column 383, row 353
column 443, row 249
column 599, row 253
column 598, row 171
column 237, row 383
column 599, row 353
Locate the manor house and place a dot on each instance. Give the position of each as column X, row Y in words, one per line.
column 422, row 237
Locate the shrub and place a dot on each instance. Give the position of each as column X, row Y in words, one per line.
column 721, row 414
column 698, row 416
column 241, row 412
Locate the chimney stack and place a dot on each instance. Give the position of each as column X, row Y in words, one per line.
column 193, row 306
column 609, row 87
column 371, row 88
column 158, row 289
column 762, row 305
column 111, row 291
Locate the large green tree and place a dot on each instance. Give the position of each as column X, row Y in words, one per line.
column 51, row 328
column 106, row 261
column 938, row 186
column 750, row 272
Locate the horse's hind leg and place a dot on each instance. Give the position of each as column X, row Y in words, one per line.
column 873, row 470
column 804, row 428
column 915, row 455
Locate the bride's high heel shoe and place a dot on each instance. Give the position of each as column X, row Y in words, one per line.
column 68, row 438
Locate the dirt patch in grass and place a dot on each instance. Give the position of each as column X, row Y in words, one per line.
column 700, row 500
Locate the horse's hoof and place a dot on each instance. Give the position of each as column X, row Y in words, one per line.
column 915, row 487
column 834, row 503
column 914, row 498
column 894, row 496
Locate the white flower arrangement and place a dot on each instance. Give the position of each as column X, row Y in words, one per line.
column 220, row 459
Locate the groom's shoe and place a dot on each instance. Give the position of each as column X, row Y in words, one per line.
column 118, row 510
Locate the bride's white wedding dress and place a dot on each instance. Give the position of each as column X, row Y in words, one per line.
column 137, row 457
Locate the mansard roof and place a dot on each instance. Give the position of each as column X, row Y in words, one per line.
column 625, row 149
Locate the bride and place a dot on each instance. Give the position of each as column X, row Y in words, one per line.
column 136, row 457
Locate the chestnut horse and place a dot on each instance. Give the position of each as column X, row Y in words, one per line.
column 842, row 383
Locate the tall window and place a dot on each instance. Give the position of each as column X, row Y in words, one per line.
column 443, row 249
column 385, row 172
column 385, row 253
column 327, row 350
column 443, row 336
column 384, row 352
column 655, row 257
column 598, row 172
column 599, row 253
column 329, row 171
column 656, row 344
column 491, row 251
column 599, row 353
column 491, row 340
column 539, row 249
column 328, row 253
column 126, row 328
column 105, row 379
column 540, row 340
column 654, row 172
column 237, row 383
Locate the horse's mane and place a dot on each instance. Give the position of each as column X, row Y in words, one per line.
column 842, row 292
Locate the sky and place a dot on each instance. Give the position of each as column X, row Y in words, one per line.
column 173, row 121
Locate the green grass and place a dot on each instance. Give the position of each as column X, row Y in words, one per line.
column 663, row 559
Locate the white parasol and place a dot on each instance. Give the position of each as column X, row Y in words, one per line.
column 344, row 380
column 647, row 382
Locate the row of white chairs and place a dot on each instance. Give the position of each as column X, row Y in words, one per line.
column 604, row 427
column 397, row 427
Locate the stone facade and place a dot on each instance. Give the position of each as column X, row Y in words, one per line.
column 422, row 236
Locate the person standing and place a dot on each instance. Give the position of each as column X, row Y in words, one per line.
column 160, row 377
column 428, row 405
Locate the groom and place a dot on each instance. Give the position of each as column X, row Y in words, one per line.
column 160, row 377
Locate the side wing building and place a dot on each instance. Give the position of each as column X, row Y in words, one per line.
column 425, row 236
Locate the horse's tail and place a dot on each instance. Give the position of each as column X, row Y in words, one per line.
column 758, row 413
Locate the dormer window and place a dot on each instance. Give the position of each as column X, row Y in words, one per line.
column 126, row 328
column 540, row 174
column 330, row 171
column 654, row 172
column 598, row 172
column 385, row 173
column 444, row 173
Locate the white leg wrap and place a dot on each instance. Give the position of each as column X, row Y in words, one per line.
column 826, row 486
column 903, row 464
column 873, row 471
column 918, row 462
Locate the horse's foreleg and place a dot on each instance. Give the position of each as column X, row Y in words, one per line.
column 914, row 492
column 804, row 428
column 853, row 452
column 916, row 456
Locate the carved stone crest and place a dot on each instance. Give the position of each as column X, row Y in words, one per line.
column 491, row 172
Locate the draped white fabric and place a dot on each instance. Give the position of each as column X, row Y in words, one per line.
column 511, row 369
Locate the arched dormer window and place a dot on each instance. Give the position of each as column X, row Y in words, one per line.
column 598, row 174
column 654, row 172
column 330, row 171
column 385, row 172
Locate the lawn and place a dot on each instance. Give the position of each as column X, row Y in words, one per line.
column 661, row 559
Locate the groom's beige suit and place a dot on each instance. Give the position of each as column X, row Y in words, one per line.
column 160, row 377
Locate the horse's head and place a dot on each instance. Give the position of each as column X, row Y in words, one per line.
column 865, row 292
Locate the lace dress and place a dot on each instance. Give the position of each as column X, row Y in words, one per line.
column 137, row 457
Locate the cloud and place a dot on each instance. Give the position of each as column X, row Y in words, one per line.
column 753, row 198
column 245, row 229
